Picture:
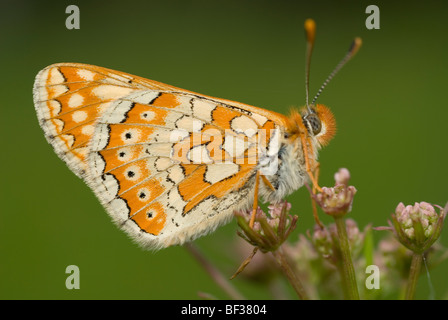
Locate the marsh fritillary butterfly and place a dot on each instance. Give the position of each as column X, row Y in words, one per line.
column 170, row 165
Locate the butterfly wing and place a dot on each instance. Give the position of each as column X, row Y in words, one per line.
column 168, row 164
column 69, row 98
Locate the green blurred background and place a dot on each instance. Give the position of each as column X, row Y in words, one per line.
column 389, row 103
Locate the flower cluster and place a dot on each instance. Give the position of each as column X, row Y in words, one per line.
column 269, row 230
column 417, row 227
column 330, row 260
column 337, row 201
column 323, row 239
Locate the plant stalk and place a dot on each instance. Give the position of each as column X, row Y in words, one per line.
column 214, row 273
column 348, row 276
column 289, row 273
column 414, row 273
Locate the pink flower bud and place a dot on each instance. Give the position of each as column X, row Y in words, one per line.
column 400, row 208
column 342, row 176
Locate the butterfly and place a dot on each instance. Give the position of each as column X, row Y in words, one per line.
column 170, row 165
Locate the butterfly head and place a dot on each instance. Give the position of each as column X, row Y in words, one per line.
column 320, row 123
column 317, row 120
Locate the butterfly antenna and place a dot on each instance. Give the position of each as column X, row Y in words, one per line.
column 310, row 32
column 356, row 44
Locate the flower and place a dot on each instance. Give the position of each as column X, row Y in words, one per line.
column 269, row 230
column 268, row 233
column 322, row 241
column 417, row 227
column 338, row 200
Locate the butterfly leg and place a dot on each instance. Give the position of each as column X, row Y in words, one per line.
column 315, row 175
column 313, row 202
column 307, row 162
column 267, row 182
column 255, row 206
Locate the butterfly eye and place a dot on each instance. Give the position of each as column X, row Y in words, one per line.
column 314, row 123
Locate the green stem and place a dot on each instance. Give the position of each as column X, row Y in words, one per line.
column 348, row 277
column 414, row 273
column 214, row 273
column 289, row 273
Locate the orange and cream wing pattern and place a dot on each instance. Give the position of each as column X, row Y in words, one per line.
column 70, row 97
column 169, row 165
